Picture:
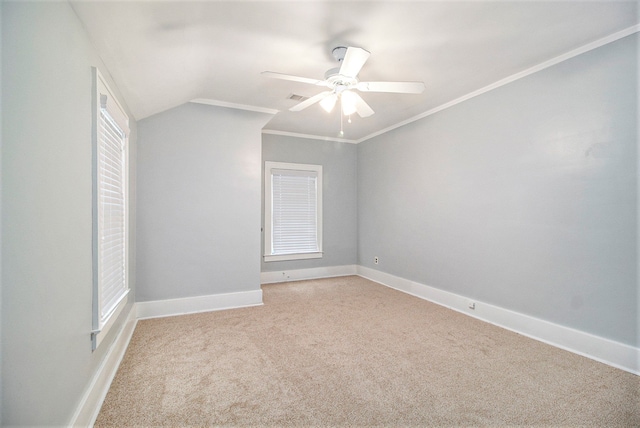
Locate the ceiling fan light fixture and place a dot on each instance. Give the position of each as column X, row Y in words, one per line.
column 329, row 102
column 348, row 101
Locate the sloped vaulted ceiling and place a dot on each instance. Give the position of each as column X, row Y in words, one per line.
column 165, row 53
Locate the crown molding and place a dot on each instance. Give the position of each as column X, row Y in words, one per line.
column 529, row 71
column 549, row 63
column 308, row 136
column 546, row 64
column 234, row 105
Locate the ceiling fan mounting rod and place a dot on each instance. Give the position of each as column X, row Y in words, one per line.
column 339, row 52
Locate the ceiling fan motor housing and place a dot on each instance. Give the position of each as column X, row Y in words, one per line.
column 339, row 82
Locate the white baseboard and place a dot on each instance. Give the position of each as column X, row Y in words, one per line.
column 604, row 350
column 312, row 273
column 607, row 351
column 89, row 408
column 189, row 305
column 87, row 411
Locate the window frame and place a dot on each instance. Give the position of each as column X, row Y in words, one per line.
column 268, row 255
column 102, row 325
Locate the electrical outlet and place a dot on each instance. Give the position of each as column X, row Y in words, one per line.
column 375, row 260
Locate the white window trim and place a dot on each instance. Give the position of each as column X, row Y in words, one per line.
column 100, row 328
column 268, row 217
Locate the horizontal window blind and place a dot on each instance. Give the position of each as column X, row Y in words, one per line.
column 294, row 211
column 111, row 213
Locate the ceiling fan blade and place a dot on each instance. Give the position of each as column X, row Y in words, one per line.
column 306, row 103
column 362, row 107
column 353, row 61
column 399, row 87
column 293, row 78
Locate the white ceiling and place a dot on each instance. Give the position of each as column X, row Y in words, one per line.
column 165, row 53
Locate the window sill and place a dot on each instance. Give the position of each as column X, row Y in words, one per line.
column 284, row 257
column 99, row 335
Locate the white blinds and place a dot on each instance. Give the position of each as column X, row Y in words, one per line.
column 294, row 211
column 111, row 214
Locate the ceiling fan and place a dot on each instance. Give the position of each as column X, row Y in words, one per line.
column 343, row 82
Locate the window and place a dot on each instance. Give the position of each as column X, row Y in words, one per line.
column 110, row 219
column 293, row 211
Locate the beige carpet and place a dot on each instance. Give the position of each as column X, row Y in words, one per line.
column 350, row 352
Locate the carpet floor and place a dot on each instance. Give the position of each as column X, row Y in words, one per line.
column 349, row 352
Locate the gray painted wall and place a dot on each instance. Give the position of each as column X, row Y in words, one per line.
column 198, row 202
column 339, row 169
column 524, row 197
column 47, row 362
